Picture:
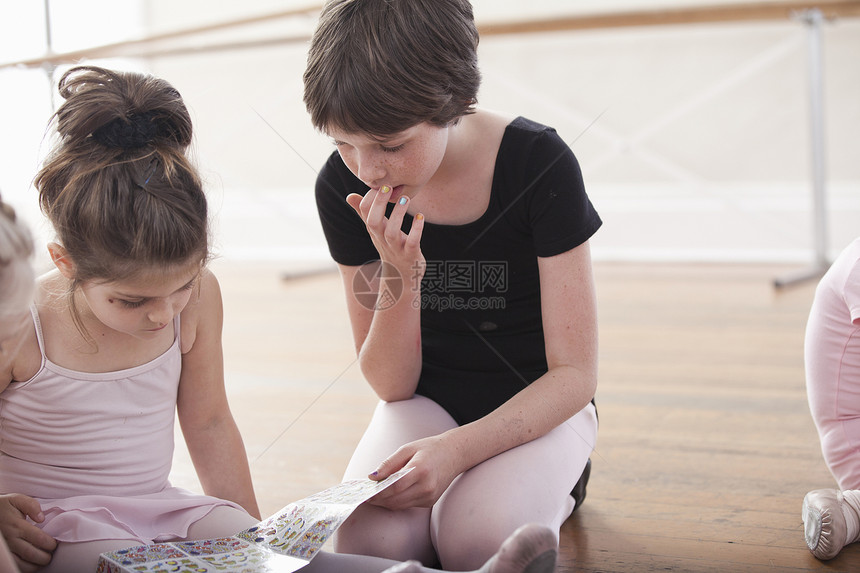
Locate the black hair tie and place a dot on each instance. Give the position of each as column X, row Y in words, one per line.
column 128, row 132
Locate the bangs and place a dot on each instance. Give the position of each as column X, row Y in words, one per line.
column 356, row 107
column 382, row 67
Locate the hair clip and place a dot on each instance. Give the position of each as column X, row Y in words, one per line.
column 154, row 165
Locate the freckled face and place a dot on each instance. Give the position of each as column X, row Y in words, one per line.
column 142, row 307
column 404, row 161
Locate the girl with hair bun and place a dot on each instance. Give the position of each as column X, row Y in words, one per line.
column 125, row 333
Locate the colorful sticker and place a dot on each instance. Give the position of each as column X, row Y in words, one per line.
column 282, row 543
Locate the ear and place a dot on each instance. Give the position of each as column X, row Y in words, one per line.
column 62, row 260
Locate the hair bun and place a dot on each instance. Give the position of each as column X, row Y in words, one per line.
column 128, row 132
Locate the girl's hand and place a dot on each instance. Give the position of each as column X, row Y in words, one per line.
column 435, row 467
column 395, row 247
column 31, row 547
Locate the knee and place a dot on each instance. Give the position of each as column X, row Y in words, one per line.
column 400, row 411
column 221, row 521
column 353, row 536
column 417, row 412
column 378, row 532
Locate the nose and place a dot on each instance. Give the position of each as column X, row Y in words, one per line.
column 161, row 312
column 370, row 168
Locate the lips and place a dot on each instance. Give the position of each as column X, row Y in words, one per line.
column 396, row 192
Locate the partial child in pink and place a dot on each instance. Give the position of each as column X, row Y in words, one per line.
column 832, row 355
column 16, row 292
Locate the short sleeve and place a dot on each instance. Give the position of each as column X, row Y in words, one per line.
column 560, row 213
column 347, row 237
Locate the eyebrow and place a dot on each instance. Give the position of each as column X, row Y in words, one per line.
column 390, row 138
column 133, row 296
column 376, row 139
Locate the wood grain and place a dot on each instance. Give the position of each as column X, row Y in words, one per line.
column 706, row 445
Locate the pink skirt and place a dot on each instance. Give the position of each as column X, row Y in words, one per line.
column 144, row 519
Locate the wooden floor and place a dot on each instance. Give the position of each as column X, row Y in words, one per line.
column 706, row 446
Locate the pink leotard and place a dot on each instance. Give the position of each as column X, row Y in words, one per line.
column 96, row 449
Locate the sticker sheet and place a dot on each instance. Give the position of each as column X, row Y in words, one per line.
column 284, row 542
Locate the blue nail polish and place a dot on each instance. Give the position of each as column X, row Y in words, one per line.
column 403, row 200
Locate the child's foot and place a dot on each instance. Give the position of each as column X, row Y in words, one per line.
column 530, row 549
column 830, row 521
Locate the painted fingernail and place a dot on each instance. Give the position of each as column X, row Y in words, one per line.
column 385, row 189
column 402, row 201
column 419, row 216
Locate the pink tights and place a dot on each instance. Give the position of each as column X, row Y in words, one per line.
column 529, row 551
column 482, row 507
column 832, row 360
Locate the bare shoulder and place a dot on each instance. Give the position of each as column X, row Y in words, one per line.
column 20, row 356
column 210, row 288
column 490, row 122
column 484, row 131
column 204, row 311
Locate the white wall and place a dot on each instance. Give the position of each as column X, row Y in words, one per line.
column 699, row 148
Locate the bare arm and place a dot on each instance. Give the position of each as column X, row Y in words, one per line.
column 31, row 547
column 387, row 339
column 213, row 439
column 387, row 334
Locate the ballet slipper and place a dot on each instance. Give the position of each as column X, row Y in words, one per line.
column 532, row 548
column 830, row 521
